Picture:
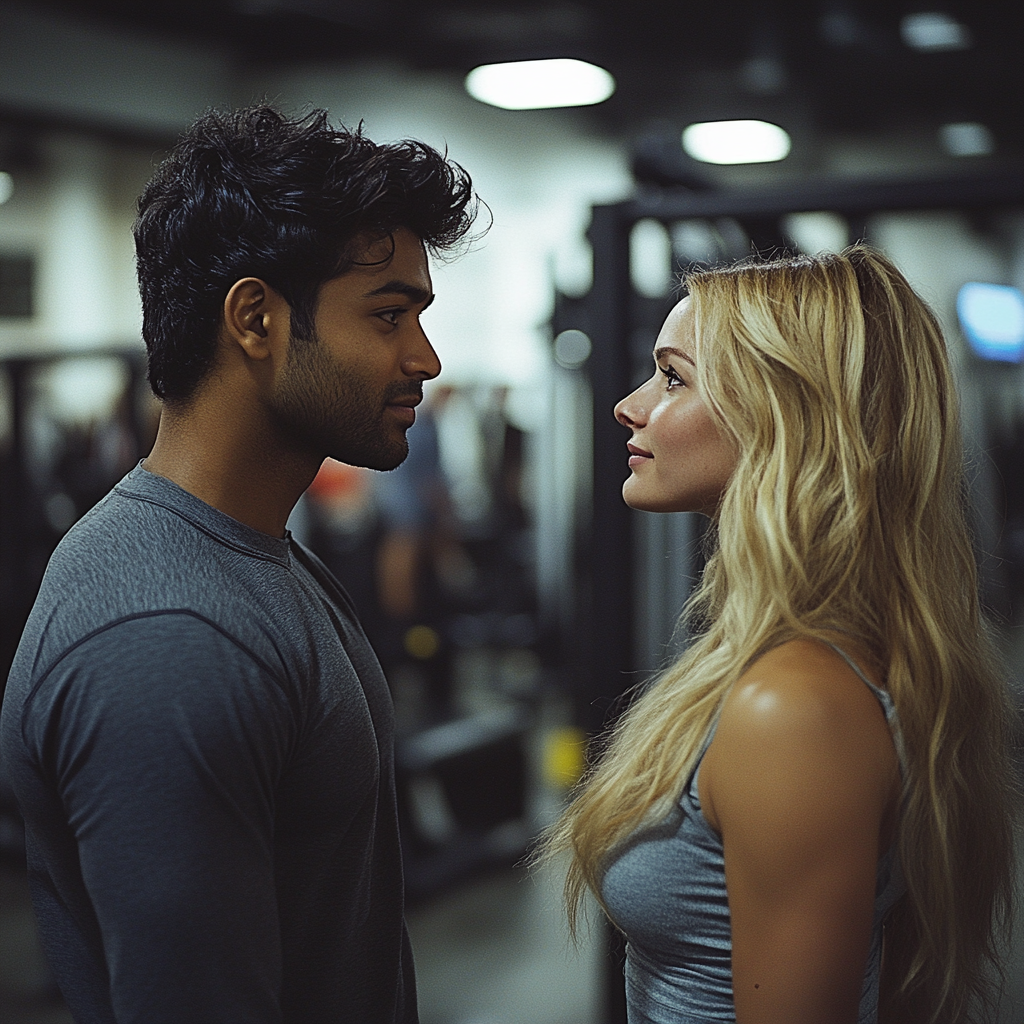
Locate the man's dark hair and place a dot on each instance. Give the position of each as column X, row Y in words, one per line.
column 252, row 193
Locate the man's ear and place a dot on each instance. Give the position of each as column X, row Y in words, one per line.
column 256, row 317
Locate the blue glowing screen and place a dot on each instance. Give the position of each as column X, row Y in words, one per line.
column 992, row 318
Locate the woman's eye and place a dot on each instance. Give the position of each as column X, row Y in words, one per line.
column 671, row 376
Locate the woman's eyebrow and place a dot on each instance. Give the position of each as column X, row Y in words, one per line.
column 667, row 350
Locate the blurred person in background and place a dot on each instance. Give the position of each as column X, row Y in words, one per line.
column 198, row 733
column 808, row 818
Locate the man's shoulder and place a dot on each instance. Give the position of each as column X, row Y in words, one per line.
column 142, row 554
column 114, row 555
column 154, row 551
column 121, row 525
column 130, row 557
column 176, row 644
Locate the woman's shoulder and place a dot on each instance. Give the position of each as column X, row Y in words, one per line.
column 798, row 729
column 807, row 684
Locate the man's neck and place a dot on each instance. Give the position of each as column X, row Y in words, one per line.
column 225, row 459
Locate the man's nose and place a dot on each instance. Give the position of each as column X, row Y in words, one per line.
column 421, row 360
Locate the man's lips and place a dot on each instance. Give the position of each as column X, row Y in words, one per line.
column 404, row 408
column 637, row 456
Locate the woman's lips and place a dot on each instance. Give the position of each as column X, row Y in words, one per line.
column 637, row 456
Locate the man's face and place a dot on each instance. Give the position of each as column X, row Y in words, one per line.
column 349, row 392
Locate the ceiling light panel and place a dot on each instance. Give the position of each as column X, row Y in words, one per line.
column 736, row 142
column 932, row 30
column 966, row 138
column 539, row 84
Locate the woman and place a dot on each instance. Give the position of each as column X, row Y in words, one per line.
column 827, row 764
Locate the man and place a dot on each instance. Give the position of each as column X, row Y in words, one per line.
column 198, row 732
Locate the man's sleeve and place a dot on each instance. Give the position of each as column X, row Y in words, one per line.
column 166, row 739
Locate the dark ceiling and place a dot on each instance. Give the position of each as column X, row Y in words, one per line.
column 827, row 67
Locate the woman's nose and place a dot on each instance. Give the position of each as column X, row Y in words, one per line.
column 630, row 411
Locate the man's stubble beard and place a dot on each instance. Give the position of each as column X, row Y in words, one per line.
column 323, row 409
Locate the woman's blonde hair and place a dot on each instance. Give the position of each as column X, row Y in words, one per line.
column 846, row 511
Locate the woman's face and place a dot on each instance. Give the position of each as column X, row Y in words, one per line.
column 679, row 456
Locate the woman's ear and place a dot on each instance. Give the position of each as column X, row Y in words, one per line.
column 256, row 318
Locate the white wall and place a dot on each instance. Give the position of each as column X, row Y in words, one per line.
column 73, row 213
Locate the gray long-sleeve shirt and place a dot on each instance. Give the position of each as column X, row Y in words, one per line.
column 200, row 739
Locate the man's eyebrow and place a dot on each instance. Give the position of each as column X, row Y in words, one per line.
column 667, row 350
column 410, row 291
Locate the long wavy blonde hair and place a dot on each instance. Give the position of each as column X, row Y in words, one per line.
column 846, row 511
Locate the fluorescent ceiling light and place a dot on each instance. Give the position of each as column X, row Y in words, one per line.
column 966, row 138
column 6, row 186
column 736, row 142
column 933, row 31
column 536, row 84
column 992, row 316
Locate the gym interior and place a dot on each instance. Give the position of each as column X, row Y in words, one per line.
column 513, row 599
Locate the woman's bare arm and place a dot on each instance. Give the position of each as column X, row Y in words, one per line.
column 800, row 781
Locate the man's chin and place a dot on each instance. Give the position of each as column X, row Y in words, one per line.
column 385, row 467
column 381, row 458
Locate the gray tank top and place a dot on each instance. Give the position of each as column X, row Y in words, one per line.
column 665, row 888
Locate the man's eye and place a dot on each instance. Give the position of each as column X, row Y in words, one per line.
column 391, row 316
